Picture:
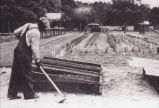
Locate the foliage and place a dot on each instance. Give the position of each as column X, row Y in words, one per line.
column 76, row 14
column 99, row 12
column 82, row 16
column 68, row 7
column 51, row 5
column 18, row 12
column 127, row 13
column 154, row 15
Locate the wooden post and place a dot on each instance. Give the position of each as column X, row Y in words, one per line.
column 2, row 27
column 8, row 27
column 80, row 26
column 158, row 50
column 101, row 81
column 54, row 32
column 41, row 34
column 50, row 32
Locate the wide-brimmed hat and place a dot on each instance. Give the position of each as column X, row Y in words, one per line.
column 45, row 21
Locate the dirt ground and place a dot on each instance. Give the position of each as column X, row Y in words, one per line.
column 123, row 85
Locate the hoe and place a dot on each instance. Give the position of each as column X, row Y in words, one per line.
column 54, row 85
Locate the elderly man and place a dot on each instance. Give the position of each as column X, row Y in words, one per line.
column 25, row 51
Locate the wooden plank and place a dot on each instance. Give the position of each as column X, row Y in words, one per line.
column 72, row 61
column 154, row 81
column 60, row 70
column 101, row 81
column 69, row 87
column 150, row 66
column 72, row 64
column 72, row 69
column 151, row 69
column 69, row 76
column 40, row 78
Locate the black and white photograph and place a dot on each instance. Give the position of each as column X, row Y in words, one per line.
column 79, row 53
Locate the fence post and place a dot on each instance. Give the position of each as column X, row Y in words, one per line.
column 157, row 49
column 8, row 27
column 50, row 33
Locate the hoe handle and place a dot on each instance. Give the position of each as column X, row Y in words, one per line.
column 54, row 85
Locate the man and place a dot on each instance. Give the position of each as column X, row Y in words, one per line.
column 124, row 28
column 26, row 50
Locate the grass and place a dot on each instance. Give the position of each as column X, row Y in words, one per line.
column 4, row 39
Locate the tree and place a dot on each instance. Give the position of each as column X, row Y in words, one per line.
column 68, row 7
column 82, row 16
column 51, row 5
column 154, row 16
column 18, row 12
column 127, row 13
column 7, row 2
column 99, row 12
column 5, row 18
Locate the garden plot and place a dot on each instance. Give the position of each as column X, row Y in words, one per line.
column 88, row 44
column 152, row 40
column 101, row 43
column 95, row 42
column 140, row 42
column 112, row 41
column 71, row 45
column 84, row 42
column 134, row 47
column 91, row 41
column 47, row 47
column 137, row 46
column 98, row 42
column 124, row 45
column 57, row 46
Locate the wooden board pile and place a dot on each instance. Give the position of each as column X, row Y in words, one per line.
column 70, row 76
column 154, row 81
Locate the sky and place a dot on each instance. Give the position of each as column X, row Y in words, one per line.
column 152, row 3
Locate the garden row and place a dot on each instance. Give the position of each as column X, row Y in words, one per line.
column 48, row 47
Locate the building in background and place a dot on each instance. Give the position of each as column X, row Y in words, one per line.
column 55, row 19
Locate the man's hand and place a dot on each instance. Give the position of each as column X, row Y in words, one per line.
column 17, row 35
column 38, row 64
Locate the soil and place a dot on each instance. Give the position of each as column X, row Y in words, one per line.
column 123, row 87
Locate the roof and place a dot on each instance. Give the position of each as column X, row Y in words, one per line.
column 145, row 23
column 93, row 24
column 54, row 16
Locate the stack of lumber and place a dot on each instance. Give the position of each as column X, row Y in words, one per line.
column 70, row 76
